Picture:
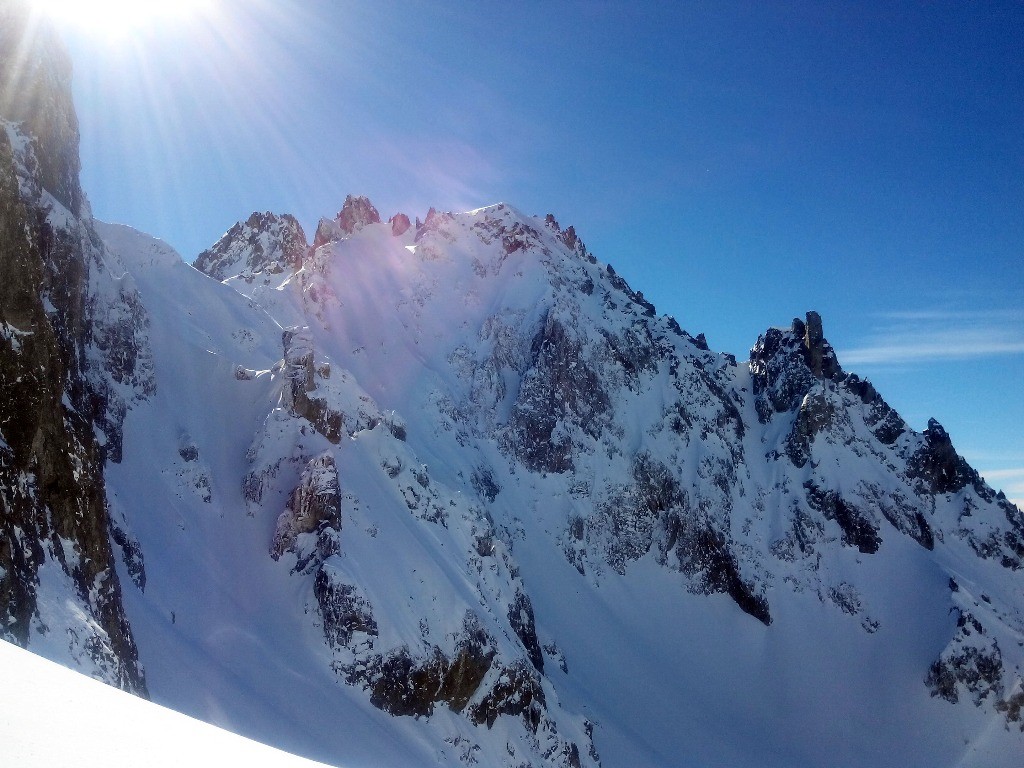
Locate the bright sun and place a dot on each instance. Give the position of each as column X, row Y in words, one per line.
column 122, row 16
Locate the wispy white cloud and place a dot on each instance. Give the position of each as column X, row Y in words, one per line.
column 937, row 335
column 948, row 315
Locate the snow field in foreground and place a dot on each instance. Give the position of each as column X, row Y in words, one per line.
column 54, row 716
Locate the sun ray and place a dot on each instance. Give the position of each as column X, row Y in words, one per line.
column 119, row 17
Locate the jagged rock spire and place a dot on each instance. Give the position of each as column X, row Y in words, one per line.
column 818, row 353
column 399, row 224
column 356, row 213
column 786, row 364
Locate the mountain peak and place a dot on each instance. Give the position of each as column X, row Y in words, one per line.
column 356, row 213
column 265, row 242
column 787, row 363
column 818, row 353
column 399, row 224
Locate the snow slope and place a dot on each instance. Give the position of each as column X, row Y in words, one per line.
column 100, row 726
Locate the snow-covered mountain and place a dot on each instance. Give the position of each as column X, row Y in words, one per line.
column 451, row 492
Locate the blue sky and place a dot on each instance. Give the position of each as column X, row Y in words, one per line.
column 739, row 163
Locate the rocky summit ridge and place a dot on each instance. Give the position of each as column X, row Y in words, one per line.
column 450, row 491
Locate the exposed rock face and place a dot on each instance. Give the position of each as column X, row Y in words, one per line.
column 35, row 89
column 885, row 424
column 314, row 507
column 569, row 237
column 818, row 354
column 938, row 465
column 560, row 387
column 345, row 612
column 816, row 414
column 520, row 617
column 399, row 224
column 73, row 355
column 469, row 680
column 972, row 664
column 356, row 213
column 327, row 231
column 786, row 364
column 860, row 530
column 301, row 377
column 263, row 243
column 518, row 692
column 403, row 685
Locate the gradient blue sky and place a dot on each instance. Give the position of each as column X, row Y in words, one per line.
column 739, row 163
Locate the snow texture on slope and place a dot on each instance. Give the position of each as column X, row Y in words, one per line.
column 100, row 726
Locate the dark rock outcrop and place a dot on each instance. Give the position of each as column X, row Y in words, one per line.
column 399, row 224
column 569, row 237
column 560, row 387
column 64, row 343
column 403, row 685
column 937, row 464
column 859, row 529
column 818, row 354
column 704, row 554
column 314, row 507
column 472, row 677
column 786, row 363
column 467, row 680
column 356, row 213
column 343, row 610
column 886, row 425
column 518, row 692
column 327, row 231
column 816, row 414
column 520, row 617
column 972, row 664
column 300, row 374
column 35, row 90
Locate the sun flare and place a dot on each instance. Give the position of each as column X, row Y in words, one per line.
column 116, row 17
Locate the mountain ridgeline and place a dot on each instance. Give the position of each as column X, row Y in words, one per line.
column 449, row 491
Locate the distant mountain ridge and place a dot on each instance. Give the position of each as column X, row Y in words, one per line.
column 452, row 492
